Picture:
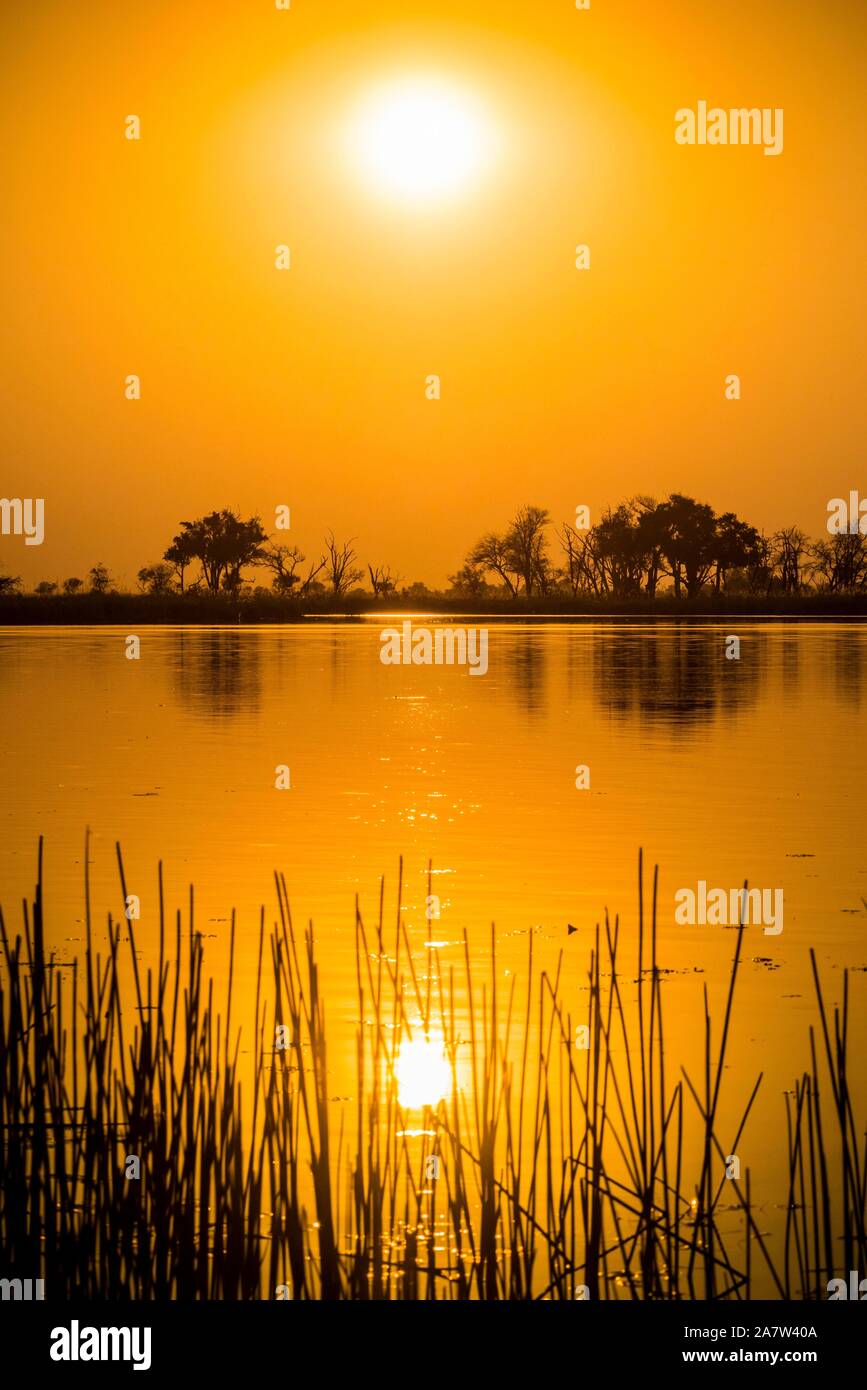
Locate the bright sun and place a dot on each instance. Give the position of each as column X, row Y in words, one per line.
column 423, row 1074
column 420, row 140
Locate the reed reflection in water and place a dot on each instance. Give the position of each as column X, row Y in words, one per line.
column 723, row 770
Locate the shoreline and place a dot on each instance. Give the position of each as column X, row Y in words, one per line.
column 87, row 610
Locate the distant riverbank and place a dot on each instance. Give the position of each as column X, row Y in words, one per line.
column 264, row 607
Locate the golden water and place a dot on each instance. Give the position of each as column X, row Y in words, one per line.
column 722, row 770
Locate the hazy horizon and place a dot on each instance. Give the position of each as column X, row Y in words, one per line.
column 306, row 387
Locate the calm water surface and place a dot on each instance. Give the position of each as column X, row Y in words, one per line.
column 722, row 770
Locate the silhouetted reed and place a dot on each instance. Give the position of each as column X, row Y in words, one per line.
column 551, row 1171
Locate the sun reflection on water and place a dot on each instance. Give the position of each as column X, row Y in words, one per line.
column 422, row 1073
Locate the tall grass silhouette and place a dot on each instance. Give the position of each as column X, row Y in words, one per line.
column 549, row 1171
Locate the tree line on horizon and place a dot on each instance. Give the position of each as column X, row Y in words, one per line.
column 643, row 546
column 640, row 548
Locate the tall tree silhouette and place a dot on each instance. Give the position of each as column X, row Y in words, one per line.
column 525, row 548
column 283, row 562
column 340, row 569
column 688, row 540
column 223, row 543
column 736, row 546
column 100, row 579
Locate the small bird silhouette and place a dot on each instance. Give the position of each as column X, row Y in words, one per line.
column 570, row 928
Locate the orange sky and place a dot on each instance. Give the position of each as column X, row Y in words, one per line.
column 306, row 387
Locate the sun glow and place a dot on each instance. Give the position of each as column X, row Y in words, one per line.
column 423, row 1074
column 420, row 140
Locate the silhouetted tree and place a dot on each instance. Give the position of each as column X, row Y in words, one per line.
column 45, row 587
column 583, row 572
column 687, row 543
column 636, row 544
column 519, row 556
column 340, row 572
column 156, row 579
column 10, row 583
column 283, row 562
column 469, row 580
column 736, row 546
column 789, row 553
column 618, row 555
column 72, row 586
column 492, row 553
column 840, row 564
column 651, row 526
column 222, row 543
column 181, row 554
column 619, row 547
column 382, row 581
column 759, row 573
column 100, row 579
column 525, row 548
